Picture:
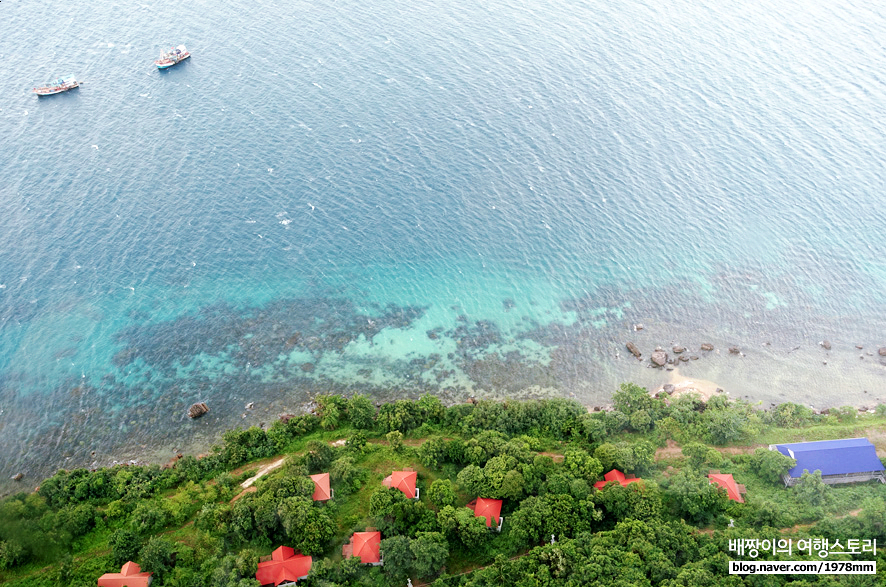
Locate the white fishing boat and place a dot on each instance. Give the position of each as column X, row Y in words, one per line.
column 173, row 56
column 62, row 84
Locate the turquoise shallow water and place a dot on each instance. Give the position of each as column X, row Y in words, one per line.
column 406, row 197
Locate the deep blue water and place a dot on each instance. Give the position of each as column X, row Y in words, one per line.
column 404, row 197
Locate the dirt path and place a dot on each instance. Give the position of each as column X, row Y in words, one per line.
column 262, row 471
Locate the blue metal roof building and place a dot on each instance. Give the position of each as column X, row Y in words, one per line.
column 840, row 461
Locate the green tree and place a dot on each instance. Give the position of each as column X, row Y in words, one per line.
column 308, row 527
column 236, row 570
column 395, row 439
column 148, row 517
column 470, row 529
column 641, row 501
column 214, row 518
column 432, row 452
column 158, row 557
column 361, row 412
column 441, row 493
column 398, row 556
column 125, row 546
column 641, row 421
column 631, row 398
column 346, row 476
column 331, row 409
column 472, row 480
column 812, row 490
column 580, row 464
column 607, row 454
column 401, row 415
column 790, row 415
column 356, row 442
column 696, row 498
column 698, row 455
column 12, row 554
column 430, row 408
column 539, row 517
column 771, row 465
column 430, row 551
column 317, row 456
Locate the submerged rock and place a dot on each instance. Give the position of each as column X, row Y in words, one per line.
column 707, row 346
column 18, row 476
column 679, row 349
column 197, row 410
column 825, row 344
column 734, row 350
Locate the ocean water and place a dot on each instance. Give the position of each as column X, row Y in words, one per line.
column 395, row 198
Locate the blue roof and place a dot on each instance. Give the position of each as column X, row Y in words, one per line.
column 833, row 457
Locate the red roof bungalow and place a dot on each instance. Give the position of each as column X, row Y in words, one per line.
column 728, row 483
column 285, row 567
column 618, row 477
column 322, row 492
column 489, row 509
column 404, row 481
column 365, row 545
column 129, row 576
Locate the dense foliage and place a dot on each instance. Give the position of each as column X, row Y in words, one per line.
column 192, row 524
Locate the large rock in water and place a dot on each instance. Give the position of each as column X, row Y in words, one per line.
column 825, row 344
column 659, row 358
column 882, row 351
column 197, row 410
column 707, row 347
column 634, row 350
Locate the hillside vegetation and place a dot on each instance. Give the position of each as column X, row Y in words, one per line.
column 192, row 524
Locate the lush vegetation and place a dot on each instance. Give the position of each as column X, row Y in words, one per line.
column 192, row 524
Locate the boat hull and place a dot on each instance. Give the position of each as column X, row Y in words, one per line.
column 55, row 91
column 167, row 63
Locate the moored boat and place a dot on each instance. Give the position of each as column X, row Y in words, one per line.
column 62, row 84
column 171, row 57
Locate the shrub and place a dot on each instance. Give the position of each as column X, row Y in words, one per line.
column 125, row 546
column 159, row 556
column 441, row 493
column 395, row 439
column 771, row 465
column 361, row 412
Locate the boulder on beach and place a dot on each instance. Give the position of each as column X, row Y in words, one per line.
column 197, row 410
column 707, row 346
column 634, row 350
column 659, row 358
column 668, row 388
